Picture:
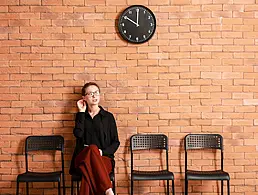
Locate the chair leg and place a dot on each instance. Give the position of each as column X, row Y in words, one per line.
column 228, row 187
column 221, row 187
column 167, row 187
column 131, row 187
column 59, row 188
column 186, row 187
column 71, row 187
column 63, row 185
column 27, row 187
column 114, row 186
column 78, row 188
column 173, row 187
column 17, row 188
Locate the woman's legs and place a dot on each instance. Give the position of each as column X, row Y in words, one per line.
column 95, row 170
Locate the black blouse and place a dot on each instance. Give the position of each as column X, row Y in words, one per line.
column 100, row 130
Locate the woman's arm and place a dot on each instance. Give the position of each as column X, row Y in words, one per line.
column 78, row 130
column 111, row 149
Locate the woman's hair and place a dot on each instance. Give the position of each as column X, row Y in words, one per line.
column 87, row 85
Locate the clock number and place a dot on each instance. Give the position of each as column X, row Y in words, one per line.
column 125, row 31
column 137, row 39
column 149, row 17
column 151, row 24
column 144, row 12
column 130, row 36
column 130, row 12
column 144, row 36
column 149, row 31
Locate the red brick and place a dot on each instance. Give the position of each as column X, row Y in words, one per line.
column 41, row 49
column 30, row 56
column 19, row 36
column 51, row 56
column 51, row 2
column 9, row 2
column 30, row 2
column 31, row 42
column 18, row 22
column 40, row 23
column 52, row 16
column 32, row 110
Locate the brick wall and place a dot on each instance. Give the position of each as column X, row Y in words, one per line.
column 197, row 74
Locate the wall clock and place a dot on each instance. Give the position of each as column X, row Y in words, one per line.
column 137, row 24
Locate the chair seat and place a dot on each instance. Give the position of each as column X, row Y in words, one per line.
column 152, row 175
column 207, row 175
column 76, row 177
column 39, row 177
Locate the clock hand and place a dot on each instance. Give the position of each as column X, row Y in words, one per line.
column 131, row 21
column 137, row 20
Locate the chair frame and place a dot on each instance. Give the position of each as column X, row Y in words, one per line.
column 150, row 142
column 52, row 143
column 204, row 142
column 77, row 179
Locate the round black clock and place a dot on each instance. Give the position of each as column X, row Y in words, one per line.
column 137, row 24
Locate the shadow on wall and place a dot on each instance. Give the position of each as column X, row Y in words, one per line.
column 20, row 162
column 181, row 166
column 126, row 163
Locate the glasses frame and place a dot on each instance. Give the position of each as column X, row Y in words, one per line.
column 93, row 93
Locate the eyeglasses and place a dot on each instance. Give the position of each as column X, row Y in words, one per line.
column 93, row 93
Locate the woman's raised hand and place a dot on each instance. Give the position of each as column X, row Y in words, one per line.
column 81, row 104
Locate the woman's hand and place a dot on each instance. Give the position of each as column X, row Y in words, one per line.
column 81, row 104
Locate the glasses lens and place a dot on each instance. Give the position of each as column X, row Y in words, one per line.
column 93, row 93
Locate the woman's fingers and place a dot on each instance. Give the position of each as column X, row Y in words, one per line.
column 81, row 104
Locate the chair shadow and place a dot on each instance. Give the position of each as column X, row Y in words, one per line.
column 126, row 161
column 20, row 168
column 181, row 156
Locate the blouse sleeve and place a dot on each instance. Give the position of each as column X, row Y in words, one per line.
column 78, row 130
column 112, row 148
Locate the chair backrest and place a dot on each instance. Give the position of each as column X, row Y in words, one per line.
column 42, row 143
column 203, row 142
column 148, row 142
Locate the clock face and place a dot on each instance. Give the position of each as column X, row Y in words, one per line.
column 137, row 24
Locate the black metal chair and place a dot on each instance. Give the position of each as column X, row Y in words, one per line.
column 203, row 142
column 77, row 178
column 150, row 142
column 42, row 143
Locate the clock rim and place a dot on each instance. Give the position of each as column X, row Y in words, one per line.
column 126, row 38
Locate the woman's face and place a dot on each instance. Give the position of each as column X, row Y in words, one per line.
column 92, row 96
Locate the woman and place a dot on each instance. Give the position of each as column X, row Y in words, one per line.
column 96, row 142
